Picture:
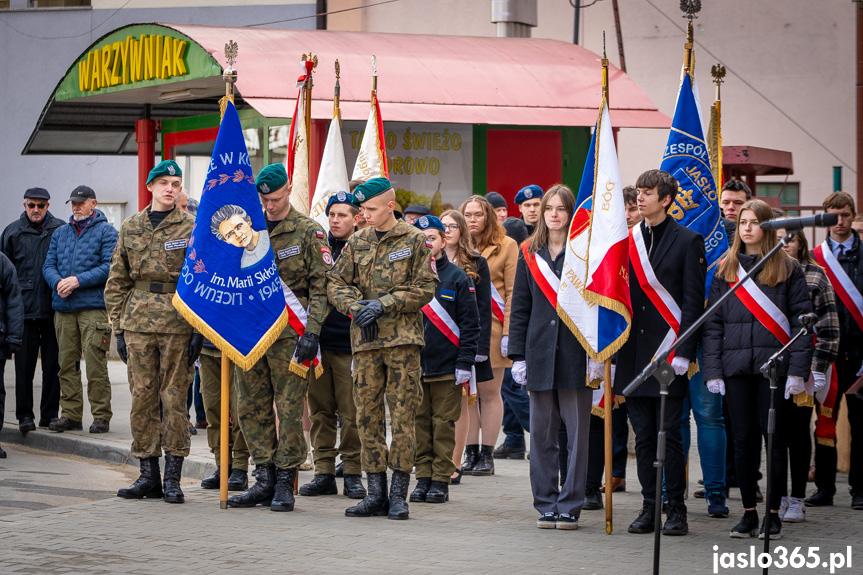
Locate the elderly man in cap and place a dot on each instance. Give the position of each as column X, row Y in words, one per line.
column 76, row 270
column 413, row 213
column 158, row 346
column 383, row 278
column 25, row 242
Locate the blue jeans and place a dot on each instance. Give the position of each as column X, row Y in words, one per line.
column 707, row 409
column 516, row 411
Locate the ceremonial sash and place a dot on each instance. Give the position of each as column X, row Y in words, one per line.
column 439, row 317
column 542, row 274
column 497, row 303
column 842, row 284
column 825, row 428
column 655, row 292
column 764, row 310
column 298, row 317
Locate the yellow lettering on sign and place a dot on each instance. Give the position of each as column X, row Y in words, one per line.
column 136, row 61
column 115, row 68
column 157, row 56
column 95, row 69
column 167, row 58
column 147, row 42
column 105, row 76
column 124, row 56
column 178, row 67
column 84, row 74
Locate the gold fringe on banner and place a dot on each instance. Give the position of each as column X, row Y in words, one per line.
column 804, row 400
column 827, row 442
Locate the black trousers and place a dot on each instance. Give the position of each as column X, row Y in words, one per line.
column 748, row 399
column 2, row 391
column 825, row 455
column 596, row 456
column 644, row 415
column 797, row 432
column 39, row 335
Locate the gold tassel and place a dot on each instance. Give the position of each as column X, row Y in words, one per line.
column 804, row 400
column 223, row 105
column 597, row 411
column 825, row 411
column 319, row 370
column 693, row 369
column 825, row 441
column 298, row 368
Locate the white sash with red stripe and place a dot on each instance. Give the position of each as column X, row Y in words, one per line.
column 542, row 274
column 439, row 317
column 298, row 317
column 497, row 303
column 764, row 310
column 655, row 292
column 842, row 284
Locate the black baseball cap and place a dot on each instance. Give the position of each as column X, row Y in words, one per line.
column 82, row 193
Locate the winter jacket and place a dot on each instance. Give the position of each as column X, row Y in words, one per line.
column 27, row 248
column 86, row 256
column 851, row 340
column 456, row 295
column 336, row 331
column 11, row 306
column 736, row 343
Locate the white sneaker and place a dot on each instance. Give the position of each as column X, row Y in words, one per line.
column 796, row 512
column 783, row 508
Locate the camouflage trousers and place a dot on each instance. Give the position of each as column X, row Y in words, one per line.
column 271, row 381
column 84, row 333
column 393, row 373
column 435, row 427
column 159, row 370
column 332, row 396
column 211, row 390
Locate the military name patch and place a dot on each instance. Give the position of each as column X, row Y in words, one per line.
column 400, row 255
column 288, row 252
column 328, row 258
column 176, row 245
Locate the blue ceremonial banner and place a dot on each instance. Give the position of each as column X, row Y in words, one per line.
column 687, row 158
column 229, row 288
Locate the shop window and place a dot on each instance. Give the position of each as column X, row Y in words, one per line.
column 253, row 137
column 790, row 193
column 4, row 5
column 278, row 143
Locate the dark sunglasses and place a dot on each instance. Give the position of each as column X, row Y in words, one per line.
column 32, row 205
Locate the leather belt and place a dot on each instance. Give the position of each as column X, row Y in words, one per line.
column 156, row 287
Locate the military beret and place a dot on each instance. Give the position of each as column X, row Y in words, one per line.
column 429, row 223
column 339, row 197
column 496, row 200
column 418, row 209
column 271, row 178
column 82, row 193
column 374, row 187
column 165, row 168
column 37, row 194
column 528, row 193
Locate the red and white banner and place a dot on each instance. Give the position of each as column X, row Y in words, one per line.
column 842, row 284
column 298, row 145
column 439, row 317
column 298, row 317
column 542, row 274
column 333, row 175
column 498, row 305
column 764, row 310
column 372, row 156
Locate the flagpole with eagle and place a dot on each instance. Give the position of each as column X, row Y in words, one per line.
column 372, row 156
column 297, row 162
column 714, row 129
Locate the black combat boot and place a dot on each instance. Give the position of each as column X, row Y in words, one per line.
column 354, row 486
column 171, row 486
column 438, row 492
column 418, row 495
column 283, row 497
column 375, row 502
column 261, row 492
column 149, row 484
column 213, row 481
column 646, row 520
column 398, row 495
column 471, row 456
column 238, row 480
column 485, row 463
column 321, row 484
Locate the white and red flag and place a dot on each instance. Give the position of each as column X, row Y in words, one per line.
column 297, row 162
column 333, row 175
column 372, row 157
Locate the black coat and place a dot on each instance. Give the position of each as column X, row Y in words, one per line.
column 336, row 329
column 851, row 337
column 27, row 249
column 555, row 359
column 736, row 343
column 483, row 304
column 11, row 307
column 679, row 264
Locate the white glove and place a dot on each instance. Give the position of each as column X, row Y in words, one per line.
column 819, row 381
column 859, row 373
column 595, row 370
column 680, row 365
column 504, row 345
column 716, row 386
column 519, row 372
column 462, row 376
column 794, row 385
column 480, row 358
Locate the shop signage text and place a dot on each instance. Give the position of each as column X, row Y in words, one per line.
column 147, row 57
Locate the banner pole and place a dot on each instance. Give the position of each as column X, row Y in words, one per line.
column 224, row 424
column 609, row 488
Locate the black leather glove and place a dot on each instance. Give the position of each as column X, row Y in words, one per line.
column 122, row 350
column 369, row 332
column 11, row 349
column 371, row 312
column 196, row 343
column 307, row 348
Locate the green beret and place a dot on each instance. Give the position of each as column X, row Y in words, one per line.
column 374, row 187
column 271, row 178
column 165, row 168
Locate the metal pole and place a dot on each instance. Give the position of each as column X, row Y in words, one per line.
column 619, row 35
column 224, row 424
column 609, row 488
column 576, row 22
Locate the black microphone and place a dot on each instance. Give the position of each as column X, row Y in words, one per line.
column 808, row 319
column 794, row 224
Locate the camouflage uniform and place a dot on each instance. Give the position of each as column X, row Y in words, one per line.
column 301, row 256
column 141, row 284
column 211, row 390
column 397, row 270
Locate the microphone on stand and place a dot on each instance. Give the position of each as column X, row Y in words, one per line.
column 794, row 224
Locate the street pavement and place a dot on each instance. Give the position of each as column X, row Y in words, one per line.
column 488, row 526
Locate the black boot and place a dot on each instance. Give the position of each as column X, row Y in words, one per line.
column 747, row 526
column 675, row 521
column 471, row 456
column 238, row 480
column 418, row 495
column 485, row 464
column 644, row 523
column 438, row 492
column 283, row 497
column 592, row 499
column 212, row 482
column 398, row 495
column 773, row 523
column 321, row 484
column 149, row 484
column 261, row 492
column 171, row 486
column 376, row 502
column 354, row 486
column 821, row 498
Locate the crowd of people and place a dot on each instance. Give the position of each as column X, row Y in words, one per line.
column 447, row 323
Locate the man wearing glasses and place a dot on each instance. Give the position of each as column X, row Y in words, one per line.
column 25, row 242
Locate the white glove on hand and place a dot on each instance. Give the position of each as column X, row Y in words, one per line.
column 859, row 373
column 716, row 386
column 794, row 385
column 519, row 372
column 680, row 365
column 480, row 358
column 595, row 370
column 504, row 345
column 462, row 376
column 819, row 380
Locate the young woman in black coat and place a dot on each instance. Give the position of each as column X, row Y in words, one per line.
column 736, row 344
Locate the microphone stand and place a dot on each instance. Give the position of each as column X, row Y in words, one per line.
column 661, row 370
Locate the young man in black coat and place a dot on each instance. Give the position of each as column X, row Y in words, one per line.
column 676, row 256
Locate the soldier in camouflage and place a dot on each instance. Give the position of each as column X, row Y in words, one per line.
column 384, row 277
column 303, row 259
column 156, row 343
